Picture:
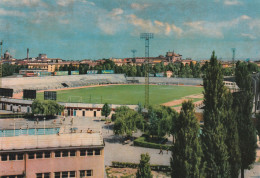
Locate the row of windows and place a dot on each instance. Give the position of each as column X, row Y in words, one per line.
column 66, row 174
column 43, row 175
column 47, row 154
column 13, row 176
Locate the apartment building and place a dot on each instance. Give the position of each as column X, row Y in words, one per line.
column 52, row 156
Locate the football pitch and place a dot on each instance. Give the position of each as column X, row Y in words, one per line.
column 125, row 94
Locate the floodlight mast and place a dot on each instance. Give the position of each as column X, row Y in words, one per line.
column 233, row 59
column 147, row 37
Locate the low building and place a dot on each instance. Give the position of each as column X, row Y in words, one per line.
column 70, row 109
column 52, row 156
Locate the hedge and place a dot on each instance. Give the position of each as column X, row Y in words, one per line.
column 154, row 167
column 142, row 143
column 5, row 116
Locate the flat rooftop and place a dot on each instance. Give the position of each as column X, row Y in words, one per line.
column 43, row 142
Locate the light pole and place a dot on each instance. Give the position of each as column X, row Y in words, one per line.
column 44, row 124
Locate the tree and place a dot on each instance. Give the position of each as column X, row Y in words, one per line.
column 186, row 151
column 48, row 108
column 51, row 108
column 144, row 169
column 243, row 102
column 213, row 132
column 37, row 107
column 232, row 137
column 105, row 110
column 127, row 121
column 160, row 120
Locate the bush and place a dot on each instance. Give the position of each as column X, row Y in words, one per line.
column 143, row 143
column 162, row 168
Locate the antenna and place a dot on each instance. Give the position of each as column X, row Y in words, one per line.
column 233, row 58
column 147, row 37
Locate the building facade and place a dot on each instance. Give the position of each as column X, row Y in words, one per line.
column 52, row 156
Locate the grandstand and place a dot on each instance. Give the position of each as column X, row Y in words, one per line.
column 58, row 82
column 166, row 81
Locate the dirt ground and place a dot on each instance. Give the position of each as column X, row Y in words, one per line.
column 186, row 98
column 130, row 172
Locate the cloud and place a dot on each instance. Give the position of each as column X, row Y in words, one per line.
column 4, row 12
column 116, row 12
column 249, row 36
column 254, row 24
column 45, row 16
column 64, row 21
column 156, row 26
column 28, row 3
column 65, row 3
column 139, row 6
column 232, row 2
column 210, row 29
column 111, row 22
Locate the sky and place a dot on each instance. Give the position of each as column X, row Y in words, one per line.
column 96, row 29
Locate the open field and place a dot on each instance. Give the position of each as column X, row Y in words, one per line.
column 125, row 94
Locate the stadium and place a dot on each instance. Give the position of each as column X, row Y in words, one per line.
column 84, row 95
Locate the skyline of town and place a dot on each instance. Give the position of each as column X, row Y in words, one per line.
column 80, row 29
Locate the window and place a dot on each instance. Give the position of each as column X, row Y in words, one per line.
column 82, row 152
column 11, row 157
column 57, row 153
column 97, row 152
column 90, row 152
column 20, row 156
column 31, row 155
column 39, row 175
column 43, row 175
column 57, row 175
column 39, row 155
column 72, row 153
column 4, row 157
column 86, row 173
column 46, row 175
column 72, row 174
column 65, row 154
column 89, row 173
column 47, row 154
column 82, row 173
column 65, row 174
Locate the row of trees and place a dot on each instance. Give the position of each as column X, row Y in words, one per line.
column 179, row 70
column 228, row 140
column 8, row 69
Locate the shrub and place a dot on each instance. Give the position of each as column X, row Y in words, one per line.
column 154, row 167
column 143, row 143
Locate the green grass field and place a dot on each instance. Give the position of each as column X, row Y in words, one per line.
column 125, row 94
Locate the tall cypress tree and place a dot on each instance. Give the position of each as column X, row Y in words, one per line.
column 232, row 139
column 144, row 169
column 213, row 133
column 243, row 102
column 186, row 151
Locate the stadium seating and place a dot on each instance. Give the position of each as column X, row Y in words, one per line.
column 55, row 82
